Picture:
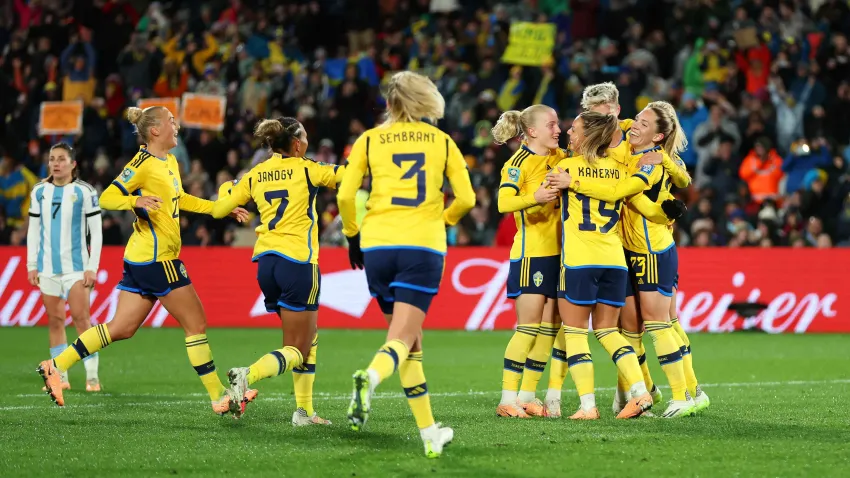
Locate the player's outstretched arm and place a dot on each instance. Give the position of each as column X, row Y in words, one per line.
column 623, row 189
column 649, row 209
column 461, row 185
column 352, row 179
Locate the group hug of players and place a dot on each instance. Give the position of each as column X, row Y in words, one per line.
column 607, row 198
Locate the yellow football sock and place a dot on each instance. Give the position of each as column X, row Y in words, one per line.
column 621, row 353
column 200, row 356
column 413, row 381
column 515, row 354
column 388, row 358
column 687, row 360
column 635, row 339
column 559, row 369
column 275, row 363
column 579, row 359
column 88, row 343
column 669, row 356
column 535, row 364
column 303, row 377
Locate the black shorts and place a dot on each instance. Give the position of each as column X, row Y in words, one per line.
column 534, row 275
column 155, row 279
column 653, row 272
column 289, row 285
column 399, row 274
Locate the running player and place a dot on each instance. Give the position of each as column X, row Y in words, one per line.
column 594, row 274
column 150, row 186
column 535, row 254
column 409, row 160
column 63, row 211
column 284, row 187
column 653, row 258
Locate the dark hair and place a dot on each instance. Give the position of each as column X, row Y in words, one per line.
column 278, row 134
column 70, row 150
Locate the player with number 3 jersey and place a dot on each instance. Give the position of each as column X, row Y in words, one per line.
column 403, row 238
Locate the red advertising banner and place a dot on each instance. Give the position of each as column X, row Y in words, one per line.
column 805, row 290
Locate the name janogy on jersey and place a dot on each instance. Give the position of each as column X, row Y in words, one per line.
column 405, row 136
column 275, row 175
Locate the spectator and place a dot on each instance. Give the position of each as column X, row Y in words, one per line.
column 802, row 159
column 16, row 183
column 708, row 136
column 723, row 169
column 762, row 171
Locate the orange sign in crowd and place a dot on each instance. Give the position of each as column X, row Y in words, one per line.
column 203, row 111
column 60, row 117
column 173, row 105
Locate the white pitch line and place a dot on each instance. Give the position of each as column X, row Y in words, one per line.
column 174, row 399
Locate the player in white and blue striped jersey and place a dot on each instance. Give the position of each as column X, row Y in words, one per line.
column 63, row 211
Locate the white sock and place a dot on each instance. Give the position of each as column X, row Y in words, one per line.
column 374, row 379
column 526, row 397
column 508, row 397
column 424, row 432
column 64, row 376
column 92, row 362
column 553, row 394
column 638, row 389
column 588, row 401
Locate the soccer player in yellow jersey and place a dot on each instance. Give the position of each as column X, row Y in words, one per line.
column 284, row 188
column 150, row 186
column 402, row 240
column 653, row 258
column 605, row 98
column 535, row 254
column 594, row 274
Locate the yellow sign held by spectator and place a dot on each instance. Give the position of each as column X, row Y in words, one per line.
column 530, row 44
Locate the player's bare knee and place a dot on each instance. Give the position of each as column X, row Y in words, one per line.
column 55, row 321
column 120, row 332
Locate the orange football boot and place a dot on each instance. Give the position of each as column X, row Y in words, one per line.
column 636, row 406
column 511, row 411
column 534, row 408
column 52, row 381
column 581, row 414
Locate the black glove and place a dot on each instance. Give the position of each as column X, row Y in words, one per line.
column 355, row 255
column 674, row 208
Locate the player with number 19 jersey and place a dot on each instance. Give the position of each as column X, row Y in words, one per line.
column 594, row 264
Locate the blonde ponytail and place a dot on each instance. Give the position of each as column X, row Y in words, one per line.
column 599, row 131
column 515, row 123
column 675, row 141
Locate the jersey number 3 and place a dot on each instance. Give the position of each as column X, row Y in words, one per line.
column 415, row 172
column 283, row 195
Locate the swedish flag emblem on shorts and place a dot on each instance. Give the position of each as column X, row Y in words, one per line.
column 538, row 278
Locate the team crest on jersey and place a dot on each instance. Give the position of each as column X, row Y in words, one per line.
column 74, row 197
column 183, row 271
column 538, row 278
column 647, row 169
column 513, row 174
column 127, row 174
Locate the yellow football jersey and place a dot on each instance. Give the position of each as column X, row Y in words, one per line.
column 590, row 235
column 639, row 234
column 156, row 234
column 408, row 163
column 284, row 189
column 538, row 226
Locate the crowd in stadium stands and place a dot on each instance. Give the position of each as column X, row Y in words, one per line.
column 762, row 89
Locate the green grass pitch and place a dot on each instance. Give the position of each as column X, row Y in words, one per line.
column 777, row 410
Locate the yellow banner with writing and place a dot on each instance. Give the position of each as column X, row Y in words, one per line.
column 530, row 44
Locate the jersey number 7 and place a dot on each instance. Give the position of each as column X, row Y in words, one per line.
column 283, row 195
column 415, row 171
